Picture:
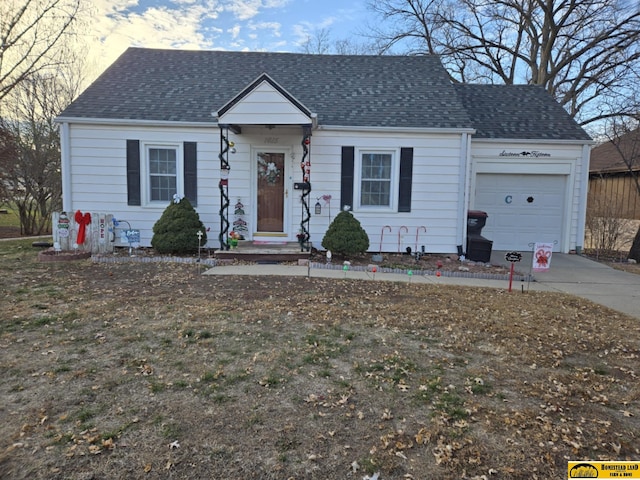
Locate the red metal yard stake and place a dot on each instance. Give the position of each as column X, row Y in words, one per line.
column 512, row 257
column 511, row 275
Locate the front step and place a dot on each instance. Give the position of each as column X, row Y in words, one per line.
column 249, row 251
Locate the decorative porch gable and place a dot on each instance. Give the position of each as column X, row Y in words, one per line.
column 264, row 102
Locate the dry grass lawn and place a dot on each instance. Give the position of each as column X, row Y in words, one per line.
column 148, row 371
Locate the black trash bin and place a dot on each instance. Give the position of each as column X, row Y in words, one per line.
column 476, row 220
column 478, row 247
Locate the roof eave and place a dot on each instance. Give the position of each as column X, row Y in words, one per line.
column 456, row 130
column 550, row 141
column 134, row 122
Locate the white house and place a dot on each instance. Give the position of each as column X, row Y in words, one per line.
column 282, row 134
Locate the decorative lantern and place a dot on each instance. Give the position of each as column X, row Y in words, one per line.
column 318, row 208
column 224, row 176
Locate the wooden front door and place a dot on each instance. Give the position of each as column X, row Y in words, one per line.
column 271, row 192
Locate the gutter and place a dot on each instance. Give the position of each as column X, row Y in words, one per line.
column 530, row 141
column 132, row 122
column 352, row 128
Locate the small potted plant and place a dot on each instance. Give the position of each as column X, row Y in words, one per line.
column 233, row 239
column 302, row 237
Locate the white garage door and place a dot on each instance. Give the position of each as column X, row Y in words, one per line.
column 522, row 209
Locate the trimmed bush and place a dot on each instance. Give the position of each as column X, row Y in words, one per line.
column 176, row 230
column 346, row 236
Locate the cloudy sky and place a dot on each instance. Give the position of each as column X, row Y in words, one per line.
column 269, row 25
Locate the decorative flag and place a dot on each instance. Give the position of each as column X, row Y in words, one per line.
column 542, row 256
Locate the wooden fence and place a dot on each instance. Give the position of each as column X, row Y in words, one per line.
column 618, row 192
column 100, row 233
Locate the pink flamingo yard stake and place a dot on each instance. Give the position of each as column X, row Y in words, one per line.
column 417, row 233
column 382, row 236
column 406, row 230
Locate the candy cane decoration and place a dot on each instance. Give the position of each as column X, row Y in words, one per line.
column 417, row 233
column 406, row 230
column 382, row 236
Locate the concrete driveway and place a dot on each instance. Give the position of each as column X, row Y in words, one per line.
column 584, row 278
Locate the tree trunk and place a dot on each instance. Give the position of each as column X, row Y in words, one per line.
column 634, row 253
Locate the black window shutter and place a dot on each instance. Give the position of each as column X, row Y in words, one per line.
column 406, row 179
column 346, row 181
column 133, row 172
column 191, row 172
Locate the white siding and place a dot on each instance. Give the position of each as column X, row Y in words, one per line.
column 435, row 189
column 264, row 105
column 98, row 177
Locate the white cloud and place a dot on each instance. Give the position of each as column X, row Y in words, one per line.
column 303, row 30
column 273, row 27
column 235, row 31
column 247, row 9
column 118, row 24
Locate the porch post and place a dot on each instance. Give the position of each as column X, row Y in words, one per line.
column 304, row 236
column 224, row 187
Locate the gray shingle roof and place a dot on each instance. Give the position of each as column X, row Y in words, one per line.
column 517, row 112
column 348, row 90
column 351, row 90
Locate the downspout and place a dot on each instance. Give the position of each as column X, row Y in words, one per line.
column 582, row 207
column 65, row 167
column 465, row 194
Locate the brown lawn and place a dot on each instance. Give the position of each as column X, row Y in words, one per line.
column 155, row 371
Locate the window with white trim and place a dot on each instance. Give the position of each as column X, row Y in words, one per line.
column 376, row 174
column 164, row 172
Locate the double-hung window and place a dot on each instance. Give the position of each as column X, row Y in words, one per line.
column 157, row 171
column 376, row 180
column 163, row 164
column 376, row 176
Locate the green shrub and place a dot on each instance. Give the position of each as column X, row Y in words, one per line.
column 176, row 230
column 346, row 236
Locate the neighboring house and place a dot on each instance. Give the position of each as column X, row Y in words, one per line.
column 614, row 168
column 388, row 136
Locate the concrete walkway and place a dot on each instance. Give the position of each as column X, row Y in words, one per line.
column 571, row 274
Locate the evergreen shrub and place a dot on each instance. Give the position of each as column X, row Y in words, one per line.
column 346, row 236
column 176, row 231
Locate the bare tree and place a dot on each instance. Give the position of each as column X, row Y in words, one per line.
column 30, row 32
column 320, row 42
column 30, row 148
column 583, row 52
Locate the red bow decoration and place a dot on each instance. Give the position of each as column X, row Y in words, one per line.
column 82, row 221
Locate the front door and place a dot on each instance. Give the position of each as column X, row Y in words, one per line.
column 270, row 167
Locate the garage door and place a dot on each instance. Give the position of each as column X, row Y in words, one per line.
column 522, row 209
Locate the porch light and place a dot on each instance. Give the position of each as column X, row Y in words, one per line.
column 318, row 208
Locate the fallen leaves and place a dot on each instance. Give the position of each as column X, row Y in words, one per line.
column 370, row 377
